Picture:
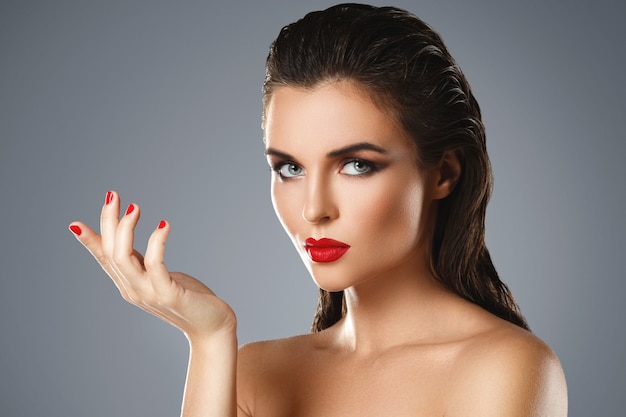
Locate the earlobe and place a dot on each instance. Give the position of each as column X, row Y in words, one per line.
column 447, row 173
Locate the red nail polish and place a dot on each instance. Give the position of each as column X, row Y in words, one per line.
column 162, row 224
column 76, row 230
column 130, row 209
column 109, row 197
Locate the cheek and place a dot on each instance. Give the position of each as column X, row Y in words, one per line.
column 394, row 213
column 284, row 205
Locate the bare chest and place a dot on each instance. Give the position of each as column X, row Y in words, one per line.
column 399, row 384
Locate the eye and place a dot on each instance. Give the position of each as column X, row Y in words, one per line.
column 357, row 167
column 289, row 170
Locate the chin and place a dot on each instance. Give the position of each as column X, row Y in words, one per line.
column 331, row 288
column 331, row 282
column 328, row 286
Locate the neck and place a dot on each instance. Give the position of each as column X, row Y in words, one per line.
column 397, row 309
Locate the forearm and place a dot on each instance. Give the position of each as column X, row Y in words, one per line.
column 210, row 389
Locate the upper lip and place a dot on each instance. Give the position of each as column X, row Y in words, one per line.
column 325, row 243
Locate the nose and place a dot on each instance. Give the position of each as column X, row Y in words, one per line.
column 319, row 205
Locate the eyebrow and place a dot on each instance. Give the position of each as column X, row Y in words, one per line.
column 361, row 146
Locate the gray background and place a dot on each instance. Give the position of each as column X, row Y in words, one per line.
column 161, row 101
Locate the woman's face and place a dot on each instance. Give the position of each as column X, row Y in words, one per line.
column 345, row 185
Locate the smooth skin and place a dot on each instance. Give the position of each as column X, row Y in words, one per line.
column 208, row 323
column 343, row 169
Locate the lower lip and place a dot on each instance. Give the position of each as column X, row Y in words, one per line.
column 318, row 254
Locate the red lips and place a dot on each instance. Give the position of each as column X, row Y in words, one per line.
column 325, row 250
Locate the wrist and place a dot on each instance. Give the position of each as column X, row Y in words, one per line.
column 224, row 338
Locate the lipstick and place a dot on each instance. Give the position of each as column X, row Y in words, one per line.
column 325, row 250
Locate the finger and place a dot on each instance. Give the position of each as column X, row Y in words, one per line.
column 109, row 220
column 123, row 251
column 90, row 240
column 85, row 235
column 93, row 243
column 155, row 255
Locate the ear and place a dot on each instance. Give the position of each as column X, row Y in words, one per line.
column 446, row 173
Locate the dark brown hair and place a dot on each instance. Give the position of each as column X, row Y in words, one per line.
column 404, row 65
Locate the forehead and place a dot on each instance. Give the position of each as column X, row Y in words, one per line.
column 331, row 115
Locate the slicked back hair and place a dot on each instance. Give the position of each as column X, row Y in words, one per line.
column 405, row 67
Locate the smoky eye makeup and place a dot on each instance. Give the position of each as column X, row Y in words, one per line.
column 358, row 167
column 287, row 170
column 353, row 161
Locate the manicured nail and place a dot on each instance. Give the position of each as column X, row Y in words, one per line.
column 76, row 230
column 162, row 224
column 130, row 209
column 109, row 198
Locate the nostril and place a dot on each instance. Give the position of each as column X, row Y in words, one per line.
column 316, row 215
column 319, row 203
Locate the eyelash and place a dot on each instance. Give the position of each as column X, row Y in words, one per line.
column 372, row 168
column 277, row 167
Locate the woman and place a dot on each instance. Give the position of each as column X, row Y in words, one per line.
column 380, row 177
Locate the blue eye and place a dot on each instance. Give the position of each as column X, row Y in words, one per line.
column 289, row 170
column 357, row 167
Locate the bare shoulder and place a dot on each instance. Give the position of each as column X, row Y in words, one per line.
column 279, row 357
column 262, row 356
column 259, row 358
column 266, row 364
column 508, row 371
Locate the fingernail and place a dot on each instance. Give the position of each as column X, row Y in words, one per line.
column 76, row 230
column 162, row 224
column 109, row 197
column 130, row 209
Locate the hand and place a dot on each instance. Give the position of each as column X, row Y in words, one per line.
column 175, row 297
